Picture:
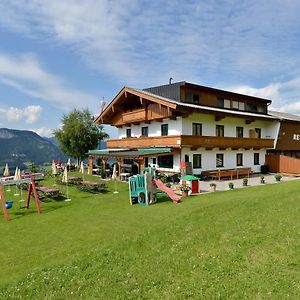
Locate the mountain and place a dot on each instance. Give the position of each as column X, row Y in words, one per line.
column 20, row 147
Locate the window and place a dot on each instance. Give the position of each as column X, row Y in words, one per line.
column 186, row 158
column 239, row 132
column 241, row 106
column 239, row 159
column 127, row 161
column 154, row 160
column 196, row 98
column 197, row 129
column 197, row 161
column 258, row 132
column 144, row 131
column 235, row 104
column 188, row 97
column 128, row 132
column 220, row 102
column 260, row 108
column 164, row 129
column 256, row 158
column 219, row 130
column 219, row 160
column 165, row 161
column 252, row 107
column 227, row 103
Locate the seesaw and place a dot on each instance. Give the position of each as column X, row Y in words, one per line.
column 25, row 179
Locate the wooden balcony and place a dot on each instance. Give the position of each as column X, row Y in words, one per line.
column 146, row 142
column 225, row 142
column 137, row 115
column 193, row 142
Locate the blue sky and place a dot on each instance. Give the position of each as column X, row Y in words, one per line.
column 59, row 55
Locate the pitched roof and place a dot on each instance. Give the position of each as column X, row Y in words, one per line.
column 208, row 108
column 285, row 116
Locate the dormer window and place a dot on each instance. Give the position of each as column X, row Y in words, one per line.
column 196, row 98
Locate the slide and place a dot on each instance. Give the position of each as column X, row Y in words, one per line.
column 169, row 191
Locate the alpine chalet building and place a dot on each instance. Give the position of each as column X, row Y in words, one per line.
column 186, row 124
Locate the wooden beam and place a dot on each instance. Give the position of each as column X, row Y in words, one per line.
column 219, row 117
column 141, row 100
column 125, row 94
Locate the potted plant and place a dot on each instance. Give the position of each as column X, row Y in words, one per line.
column 262, row 179
column 278, row 177
column 213, row 186
column 245, row 181
column 231, row 185
column 184, row 189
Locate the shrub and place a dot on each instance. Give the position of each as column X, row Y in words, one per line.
column 278, row 177
column 245, row 181
column 262, row 179
column 231, row 185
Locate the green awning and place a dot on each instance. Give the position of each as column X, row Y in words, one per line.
column 154, row 150
column 189, row 177
column 130, row 153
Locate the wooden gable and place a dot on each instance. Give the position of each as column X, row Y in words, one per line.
column 132, row 107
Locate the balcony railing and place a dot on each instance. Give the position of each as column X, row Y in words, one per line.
column 192, row 141
column 134, row 116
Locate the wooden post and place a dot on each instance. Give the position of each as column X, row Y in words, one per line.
column 36, row 197
column 141, row 164
column 90, row 165
column 3, row 204
column 32, row 188
column 103, row 167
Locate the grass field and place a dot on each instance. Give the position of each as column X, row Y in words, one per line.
column 234, row 244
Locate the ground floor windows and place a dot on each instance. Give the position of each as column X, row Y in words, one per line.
column 239, row 159
column 219, row 160
column 256, row 158
column 165, row 161
column 197, row 161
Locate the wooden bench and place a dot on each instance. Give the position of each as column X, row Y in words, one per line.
column 48, row 191
column 227, row 173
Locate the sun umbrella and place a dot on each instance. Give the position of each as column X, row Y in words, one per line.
column 53, row 168
column 6, row 171
column 65, row 176
column 81, row 170
column 69, row 162
column 114, row 174
column 65, row 180
column 16, row 174
column 114, row 178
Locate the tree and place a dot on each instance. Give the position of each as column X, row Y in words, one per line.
column 79, row 133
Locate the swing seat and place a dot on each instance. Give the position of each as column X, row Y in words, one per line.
column 9, row 204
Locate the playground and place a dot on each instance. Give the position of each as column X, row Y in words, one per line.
column 242, row 243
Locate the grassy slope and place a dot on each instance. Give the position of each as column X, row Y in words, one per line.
column 240, row 244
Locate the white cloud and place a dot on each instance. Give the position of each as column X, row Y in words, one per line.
column 25, row 73
column 30, row 114
column 136, row 41
column 285, row 95
column 43, row 131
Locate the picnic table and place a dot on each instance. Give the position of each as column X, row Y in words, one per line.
column 48, row 191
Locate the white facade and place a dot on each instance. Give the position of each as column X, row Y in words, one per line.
column 183, row 126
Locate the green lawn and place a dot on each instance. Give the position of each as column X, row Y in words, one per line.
column 237, row 244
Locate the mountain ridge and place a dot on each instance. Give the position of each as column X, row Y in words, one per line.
column 20, row 147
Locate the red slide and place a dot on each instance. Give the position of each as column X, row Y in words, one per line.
column 169, row 191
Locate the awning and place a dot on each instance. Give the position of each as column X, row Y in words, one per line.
column 126, row 153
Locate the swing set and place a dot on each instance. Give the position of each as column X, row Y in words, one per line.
column 25, row 179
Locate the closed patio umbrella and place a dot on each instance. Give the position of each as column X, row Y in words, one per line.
column 6, row 171
column 65, row 180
